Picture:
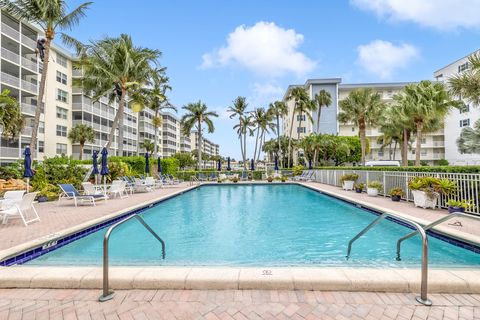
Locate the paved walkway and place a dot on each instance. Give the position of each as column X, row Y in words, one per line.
column 55, row 217
column 213, row 305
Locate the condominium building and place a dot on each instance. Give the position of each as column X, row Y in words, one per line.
column 66, row 106
column 433, row 145
column 457, row 120
column 208, row 147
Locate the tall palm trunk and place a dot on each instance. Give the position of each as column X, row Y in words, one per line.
column 81, row 150
column 299, row 126
column 199, row 147
column 418, row 145
column 41, row 94
column 390, row 151
column 395, row 150
column 318, row 118
column 262, row 135
column 361, row 130
column 245, row 148
column 315, row 157
column 241, row 148
column 279, row 144
column 118, row 122
column 155, row 133
column 405, row 148
column 256, row 143
column 290, row 140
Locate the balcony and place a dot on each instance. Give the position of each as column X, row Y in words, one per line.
column 77, row 73
column 9, row 79
column 29, row 64
column 28, row 108
column 77, row 90
column 29, row 42
column 27, row 131
column 26, row 85
column 6, row 152
column 10, row 56
column 9, row 31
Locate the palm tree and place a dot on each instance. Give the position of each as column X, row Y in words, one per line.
column 196, row 114
column 11, row 120
column 117, row 68
column 302, row 105
column 278, row 109
column 364, row 107
column 469, row 140
column 238, row 110
column 149, row 146
column 81, row 134
column 430, row 104
column 467, row 84
column 392, row 130
column 155, row 98
column 322, row 99
column 264, row 124
column 51, row 16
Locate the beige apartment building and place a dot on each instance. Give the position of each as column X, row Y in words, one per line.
column 433, row 144
column 208, row 147
column 66, row 106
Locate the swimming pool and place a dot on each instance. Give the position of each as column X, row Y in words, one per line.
column 257, row 225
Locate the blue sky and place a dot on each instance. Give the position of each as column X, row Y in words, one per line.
column 218, row 50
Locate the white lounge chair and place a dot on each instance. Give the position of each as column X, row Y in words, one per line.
column 20, row 209
column 89, row 189
column 10, row 198
column 69, row 192
column 118, row 188
column 142, row 186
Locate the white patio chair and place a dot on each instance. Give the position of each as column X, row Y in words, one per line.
column 89, row 189
column 118, row 188
column 20, row 209
column 141, row 186
column 10, row 198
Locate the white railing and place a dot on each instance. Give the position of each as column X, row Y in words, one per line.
column 29, row 42
column 7, row 152
column 28, row 108
column 32, row 65
column 27, row 131
column 468, row 183
column 9, row 31
column 10, row 55
column 12, row 80
column 29, row 86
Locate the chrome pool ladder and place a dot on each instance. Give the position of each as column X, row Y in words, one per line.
column 424, row 278
column 108, row 294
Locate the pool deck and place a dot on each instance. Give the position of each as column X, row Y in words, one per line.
column 64, row 219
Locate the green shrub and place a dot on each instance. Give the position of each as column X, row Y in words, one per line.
column 441, row 169
column 349, row 177
column 397, row 191
column 360, row 186
column 169, row 165
column 13, row 170
column 443, row 162
column 465, row 204
column 375, row 185
column 297, row 170
column 429, row 185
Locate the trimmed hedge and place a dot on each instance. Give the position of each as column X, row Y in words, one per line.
column 443, row 169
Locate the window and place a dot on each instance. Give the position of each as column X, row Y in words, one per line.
column 41, row 146
column 61, row 77
column 62, row 95
column 62, row 113
column 301, row 117
column 464, row 123
column 41, row 127
column 424, row 141
column 61, row 60
column 463, row 67
column 61, row 148
column 423, row 152
column 301, row 129
column 353, row 129
column 380, row 153
column 61, row 131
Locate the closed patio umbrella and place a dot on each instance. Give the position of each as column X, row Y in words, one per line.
column 95, row 171
column 310, row 164
column 228, row 164
column 104, row 168
column 147, row 164
column 219, row 165
column 159, row 166
column 27, row 162
column 252, row 165
column 276, row 163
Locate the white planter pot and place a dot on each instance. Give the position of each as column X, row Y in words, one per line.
column 420, row 199
column 348, row 185
column 372, row 192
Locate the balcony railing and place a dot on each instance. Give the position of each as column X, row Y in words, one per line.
column 27, row 131
column 29, row 42
column 29, row 64
column 9, row 79
column 28, row 108
column 6, row 152
column 76, row 73
column 26, row 85
column 9, row 31
column 10, row 55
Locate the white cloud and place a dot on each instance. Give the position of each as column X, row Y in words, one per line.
column 264, row 48
column 383, row 58
column 265, row 93
column 439, row 14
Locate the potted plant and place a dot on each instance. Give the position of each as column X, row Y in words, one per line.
column 219, row 180
column 373, row 187
column 396, row 194
column 426, row 190
column 283, row 178
column 348, row 180
column 359, row 187
column 459, row 205
column 270, row 179
column 235, row 179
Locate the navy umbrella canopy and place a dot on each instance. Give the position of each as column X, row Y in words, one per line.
column 276, row 163
column 219, row 165
column 27, row 162
column 228, row 164
column 104, row 168
column 159, row 166
column 252, row 165
column 95, row 162
column 147, row 164
column 310, row 164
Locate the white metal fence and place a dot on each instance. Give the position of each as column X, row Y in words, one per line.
column 468, row 183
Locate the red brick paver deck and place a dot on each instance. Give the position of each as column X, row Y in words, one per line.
column 32, row 304
column 55, row 217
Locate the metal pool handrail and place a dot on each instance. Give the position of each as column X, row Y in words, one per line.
column 424, row 280
column 107, row 294
column 431, row 225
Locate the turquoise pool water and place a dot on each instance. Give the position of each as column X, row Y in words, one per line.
column 249, row 225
